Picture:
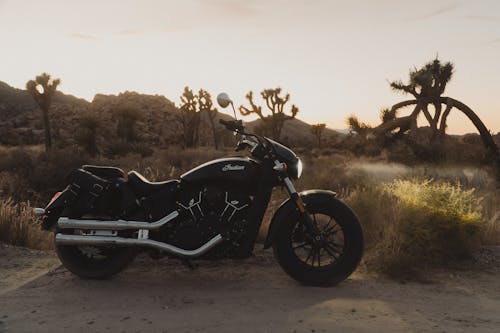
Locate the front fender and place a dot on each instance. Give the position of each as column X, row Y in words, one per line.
column 288, row 208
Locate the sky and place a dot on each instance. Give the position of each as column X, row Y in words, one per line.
column 335, row 58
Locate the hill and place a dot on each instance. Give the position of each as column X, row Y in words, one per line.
column 21, row 121
column 298, row 132
column 14, row 101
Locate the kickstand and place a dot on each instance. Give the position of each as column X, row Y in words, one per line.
column 192, row 266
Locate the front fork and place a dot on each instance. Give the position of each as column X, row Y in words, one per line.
column 305, row 217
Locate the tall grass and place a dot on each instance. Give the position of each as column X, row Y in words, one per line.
column 413, row 225
column 490, row 204
column 18, row 227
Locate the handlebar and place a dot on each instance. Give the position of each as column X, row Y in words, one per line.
column 233, row 125
column 237, row 126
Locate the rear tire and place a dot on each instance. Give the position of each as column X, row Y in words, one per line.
column 335, row 270
column 79, row 264
column 94, row 262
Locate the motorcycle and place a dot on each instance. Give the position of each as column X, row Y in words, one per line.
column 213, row 211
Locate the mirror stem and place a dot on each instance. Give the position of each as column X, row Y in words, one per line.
column 234, row 111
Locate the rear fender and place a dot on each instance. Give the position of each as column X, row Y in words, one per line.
column 56, row 207
column 288, row 208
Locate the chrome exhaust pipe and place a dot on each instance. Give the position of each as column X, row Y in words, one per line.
column 38, row 212
column 63, row 239
column 67, row 223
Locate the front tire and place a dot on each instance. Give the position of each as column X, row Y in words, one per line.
column 326, row 264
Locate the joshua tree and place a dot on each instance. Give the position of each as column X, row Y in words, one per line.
column 206, row 105
column 357, row 126
column 317, row 130
column 43, row 89
column 189, row 118
column 87, row 134
column 127, row 118
column 271, row 124
column 427, row 86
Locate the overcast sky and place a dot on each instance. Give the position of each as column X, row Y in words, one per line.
column 334, row 57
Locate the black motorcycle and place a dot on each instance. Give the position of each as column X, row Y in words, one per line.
column 213, row 211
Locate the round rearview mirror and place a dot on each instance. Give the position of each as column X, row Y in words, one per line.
column 223, row 100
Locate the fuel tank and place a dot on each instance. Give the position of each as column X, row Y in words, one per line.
column 233, row 171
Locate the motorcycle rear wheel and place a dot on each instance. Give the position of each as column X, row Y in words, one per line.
column 92, row 262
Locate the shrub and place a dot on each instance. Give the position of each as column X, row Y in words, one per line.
column 31, row 175
column 414, row 225
column 116, row 148
column 142, row 149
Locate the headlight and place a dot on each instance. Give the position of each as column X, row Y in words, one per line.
column 299, row 168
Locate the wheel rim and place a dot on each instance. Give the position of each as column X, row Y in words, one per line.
column 318, row 254
column 94, row 253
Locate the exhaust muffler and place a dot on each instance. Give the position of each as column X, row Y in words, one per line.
column 80, row 240
column 67, row 223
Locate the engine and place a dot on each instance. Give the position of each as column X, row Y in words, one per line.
column 206, row 212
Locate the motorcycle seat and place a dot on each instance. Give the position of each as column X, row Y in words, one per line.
column 143, row 187
column 104, row 171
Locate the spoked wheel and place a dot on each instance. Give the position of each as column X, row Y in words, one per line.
column 318, row 253
column 324, row 259
column 94, row 262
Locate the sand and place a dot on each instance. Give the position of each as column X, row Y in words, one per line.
column 38, row 295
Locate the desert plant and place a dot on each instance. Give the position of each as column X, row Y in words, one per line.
column 127, row 119
column 13, row 223
column 317, row 130
column 35, row 176
column 427, row 224
column 206, row 105
column 271, row 124
column 427, row 85
column 17, row 226
column 115, row 148
column 86, row 136
column 189, row 118
column 142, row 149
column 43, row 89
column 357, row 126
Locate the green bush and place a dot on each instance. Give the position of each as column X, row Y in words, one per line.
column 412, row 225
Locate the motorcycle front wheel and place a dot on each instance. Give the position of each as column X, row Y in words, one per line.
column 322, row 263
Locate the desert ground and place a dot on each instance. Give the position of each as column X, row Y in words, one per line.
column 38, row 295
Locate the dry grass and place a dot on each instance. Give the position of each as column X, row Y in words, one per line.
column 490, row 203
column 18, row 227
column 412, row 225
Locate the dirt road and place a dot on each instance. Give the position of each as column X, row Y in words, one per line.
column 252, row 296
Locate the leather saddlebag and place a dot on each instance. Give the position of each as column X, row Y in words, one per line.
column 93, row 195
